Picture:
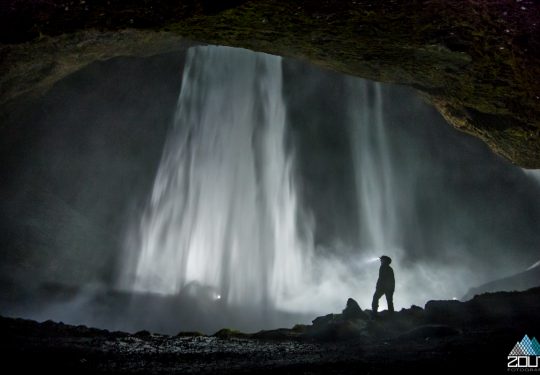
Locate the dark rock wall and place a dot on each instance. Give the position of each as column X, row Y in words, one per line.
column 78, row 162
column 476, row 61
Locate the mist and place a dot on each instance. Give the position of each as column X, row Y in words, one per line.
column 308, row 175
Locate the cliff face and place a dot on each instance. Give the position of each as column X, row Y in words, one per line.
column 476, row 62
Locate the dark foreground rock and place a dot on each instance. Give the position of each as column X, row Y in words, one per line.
column 520, row 281
column 447, row 335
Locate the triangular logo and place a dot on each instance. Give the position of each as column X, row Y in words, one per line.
column 526, row 346
column 517, row 350
column 535, row 346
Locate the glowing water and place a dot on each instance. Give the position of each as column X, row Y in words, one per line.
column 223, row 210
column 373, row 168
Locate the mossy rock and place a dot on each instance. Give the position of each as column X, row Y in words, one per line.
column 190, row 334
column 479, row 65
column 226, row 333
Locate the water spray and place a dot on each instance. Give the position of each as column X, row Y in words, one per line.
column 534, row 265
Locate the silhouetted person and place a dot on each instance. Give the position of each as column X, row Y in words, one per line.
column 385, row 285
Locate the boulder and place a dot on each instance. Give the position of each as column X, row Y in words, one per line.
column 353, row 311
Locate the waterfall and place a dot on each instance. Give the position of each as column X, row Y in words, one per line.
column 223, row 216
column 223, row 210
column 223, row 213
column 374, row 173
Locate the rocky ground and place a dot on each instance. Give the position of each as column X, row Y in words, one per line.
column 445, row 335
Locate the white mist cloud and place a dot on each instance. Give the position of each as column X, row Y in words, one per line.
column 333, row 279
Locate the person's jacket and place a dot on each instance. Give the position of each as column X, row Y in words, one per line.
column 386, row 281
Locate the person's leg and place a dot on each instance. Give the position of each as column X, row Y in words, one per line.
column 390, row 300
column 375, row 303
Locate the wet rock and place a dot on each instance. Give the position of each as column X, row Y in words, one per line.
column 337, row 330
column 446, row 311
column 413, row 313
column 403, row 342
column 517, row 282
column 226, row 333
column 353, row 311
column 324, row 320
column 84, row 331
column 430, row 331
column 505, row 305
column 278, row 334
column 144, row 334
column 300, row 328
column 190, row 334
column 350, row 324
column 485, row 307
column 117, row 335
